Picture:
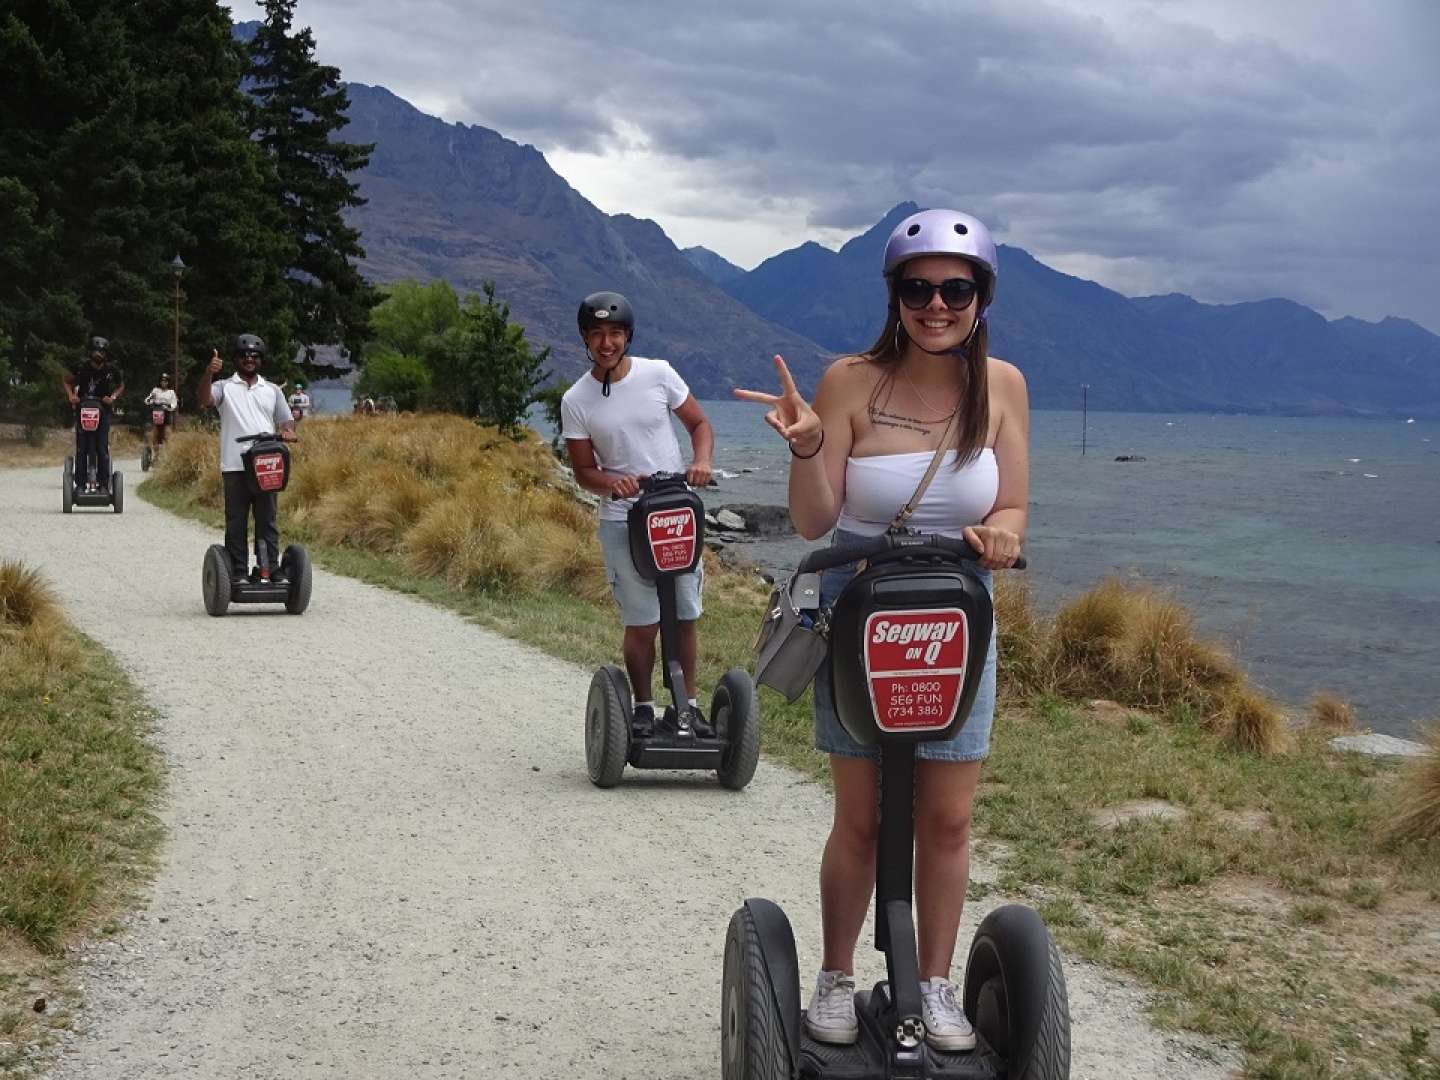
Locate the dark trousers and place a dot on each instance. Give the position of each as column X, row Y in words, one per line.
column 238, row 504
column 95, row 442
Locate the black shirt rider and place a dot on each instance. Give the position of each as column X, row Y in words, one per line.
column 92, row 382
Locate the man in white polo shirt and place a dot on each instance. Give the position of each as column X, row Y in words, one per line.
column 249, row 405
column 616, row 427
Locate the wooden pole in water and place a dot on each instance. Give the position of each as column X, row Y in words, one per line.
column 1084, row 415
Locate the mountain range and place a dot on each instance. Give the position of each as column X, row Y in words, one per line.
column 464, row 203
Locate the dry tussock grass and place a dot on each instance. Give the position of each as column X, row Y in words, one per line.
column 1417, row 814
column 25, row 599
column 454, row 500
column 32, row 639
column 1251, row 721
column 1025, row 640
column 1328, row 712
column 190, row 462
column 1138, row 646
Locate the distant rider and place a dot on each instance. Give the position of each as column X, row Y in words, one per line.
column 99, row 379
column 616, row 426
column 249, row 404
column 163, row 397
column 299, row 402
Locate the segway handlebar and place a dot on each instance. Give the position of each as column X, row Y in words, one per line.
column 825, row 558
column 257, row 438
column 647, row 482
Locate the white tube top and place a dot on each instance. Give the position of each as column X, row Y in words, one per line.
column 877, row 487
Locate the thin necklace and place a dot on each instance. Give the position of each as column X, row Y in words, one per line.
column 926, row 401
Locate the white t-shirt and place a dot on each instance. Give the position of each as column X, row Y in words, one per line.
column 299, row 400
column 630, row 429
column 246, row 410
column 164, row 398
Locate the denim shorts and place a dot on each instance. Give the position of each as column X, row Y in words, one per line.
column 970, row 743
column 638, row 599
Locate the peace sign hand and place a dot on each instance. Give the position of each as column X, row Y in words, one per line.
column 789, row 414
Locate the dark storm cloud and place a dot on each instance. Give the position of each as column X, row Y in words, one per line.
column 1229, row 149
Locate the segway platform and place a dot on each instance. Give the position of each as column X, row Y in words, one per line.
column 864, row 1058
column 666, row 527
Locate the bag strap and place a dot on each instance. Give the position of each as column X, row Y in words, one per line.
column 910, row 507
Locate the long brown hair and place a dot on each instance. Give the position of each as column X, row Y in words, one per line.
column 972, row 426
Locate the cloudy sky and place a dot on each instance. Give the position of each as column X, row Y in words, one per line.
column 1231, row 149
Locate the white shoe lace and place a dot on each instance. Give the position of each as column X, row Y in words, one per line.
column 833, row 1001
column 945, row 1012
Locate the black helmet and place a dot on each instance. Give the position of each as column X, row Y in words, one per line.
column 606, row 309
column 99, row 344
column 164, row 376
column 248, row 343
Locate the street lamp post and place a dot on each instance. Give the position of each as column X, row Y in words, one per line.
column 177, row 267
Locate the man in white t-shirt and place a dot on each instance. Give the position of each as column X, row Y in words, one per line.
column 615, row 422
column 248, row 405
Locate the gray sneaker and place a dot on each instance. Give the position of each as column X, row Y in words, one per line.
column 946, row 1027
column 831, row 1015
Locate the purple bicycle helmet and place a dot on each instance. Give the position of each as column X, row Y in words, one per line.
column 944, row 232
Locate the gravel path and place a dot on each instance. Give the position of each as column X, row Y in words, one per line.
column 385, row 859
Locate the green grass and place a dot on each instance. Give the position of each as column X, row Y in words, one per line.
column 1241, row 916
column 78, row 785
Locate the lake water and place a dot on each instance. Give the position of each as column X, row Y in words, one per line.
column 1311, row 547
column 330, row 400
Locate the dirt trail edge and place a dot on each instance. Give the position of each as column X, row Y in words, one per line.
column 385, row 859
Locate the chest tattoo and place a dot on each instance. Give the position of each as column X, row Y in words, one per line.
column 881, row 418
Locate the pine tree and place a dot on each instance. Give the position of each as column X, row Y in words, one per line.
column 213, row 194
column 298, row 107
column 77, row 247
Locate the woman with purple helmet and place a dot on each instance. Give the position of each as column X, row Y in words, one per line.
column 857, row 458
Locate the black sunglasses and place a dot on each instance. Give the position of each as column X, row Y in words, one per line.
column 916, row 293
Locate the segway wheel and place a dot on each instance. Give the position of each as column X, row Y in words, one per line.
column 736, row 715
column 608, row 710
column 117, row 492
column 215, row 580
column 752, row 1033
column 296, row 564
column 147, row 456
column 67, row 496
column 1015, row 994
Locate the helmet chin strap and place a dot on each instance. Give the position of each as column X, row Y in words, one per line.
column 605, row 383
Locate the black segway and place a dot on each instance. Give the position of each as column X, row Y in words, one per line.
column 667, row 530
column 267, row 469
column 87, row 490
column 908, row 640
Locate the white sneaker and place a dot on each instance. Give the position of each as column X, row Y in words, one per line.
column 946, row 1027
column 831, row 1015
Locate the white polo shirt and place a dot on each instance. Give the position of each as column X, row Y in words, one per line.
column 246, row 410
